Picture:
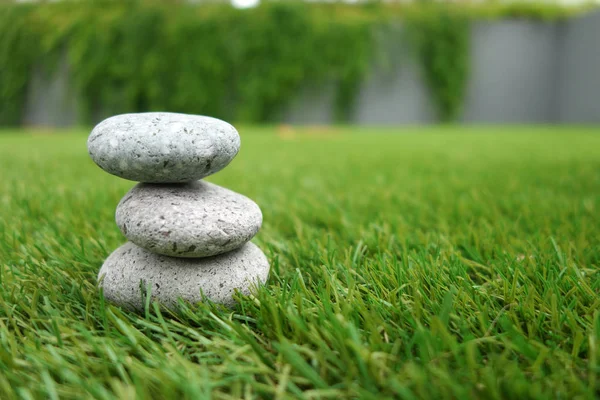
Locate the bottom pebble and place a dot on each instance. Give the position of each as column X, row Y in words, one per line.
column 131, row 272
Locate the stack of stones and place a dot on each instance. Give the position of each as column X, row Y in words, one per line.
column 187, row 237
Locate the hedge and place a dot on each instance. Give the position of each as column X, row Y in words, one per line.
column 242, row 65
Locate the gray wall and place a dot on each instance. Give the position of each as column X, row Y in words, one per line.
column 579, row 75
column 394, row 92
column 521, row 72
column 51, row 100
column 313, row 105
column 513, row 73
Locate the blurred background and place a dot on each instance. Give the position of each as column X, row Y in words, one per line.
column 69, row 63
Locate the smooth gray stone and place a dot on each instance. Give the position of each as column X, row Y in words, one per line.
column 131, row 272
column 196, row 219
column 162, row 147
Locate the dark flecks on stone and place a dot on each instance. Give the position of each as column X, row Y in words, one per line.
column 180, row 169
column 212, row 219
column 143, row 137
column 132, row 283
column 126, row 199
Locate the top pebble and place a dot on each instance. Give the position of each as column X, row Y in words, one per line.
column 161, row 147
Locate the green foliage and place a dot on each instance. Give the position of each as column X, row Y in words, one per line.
column 440, row 37
column 535, row 11
column 428, row 263
column 18, row 51
column 213, row 59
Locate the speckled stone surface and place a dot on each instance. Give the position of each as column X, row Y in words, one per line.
column 163, row 147
column 130, row 270
column 196, row 219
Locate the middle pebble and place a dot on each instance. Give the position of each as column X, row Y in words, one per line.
column 196, row 219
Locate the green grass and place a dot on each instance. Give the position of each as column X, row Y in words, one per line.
column 409, row 263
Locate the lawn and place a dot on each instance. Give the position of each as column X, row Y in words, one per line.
column 408, row 263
